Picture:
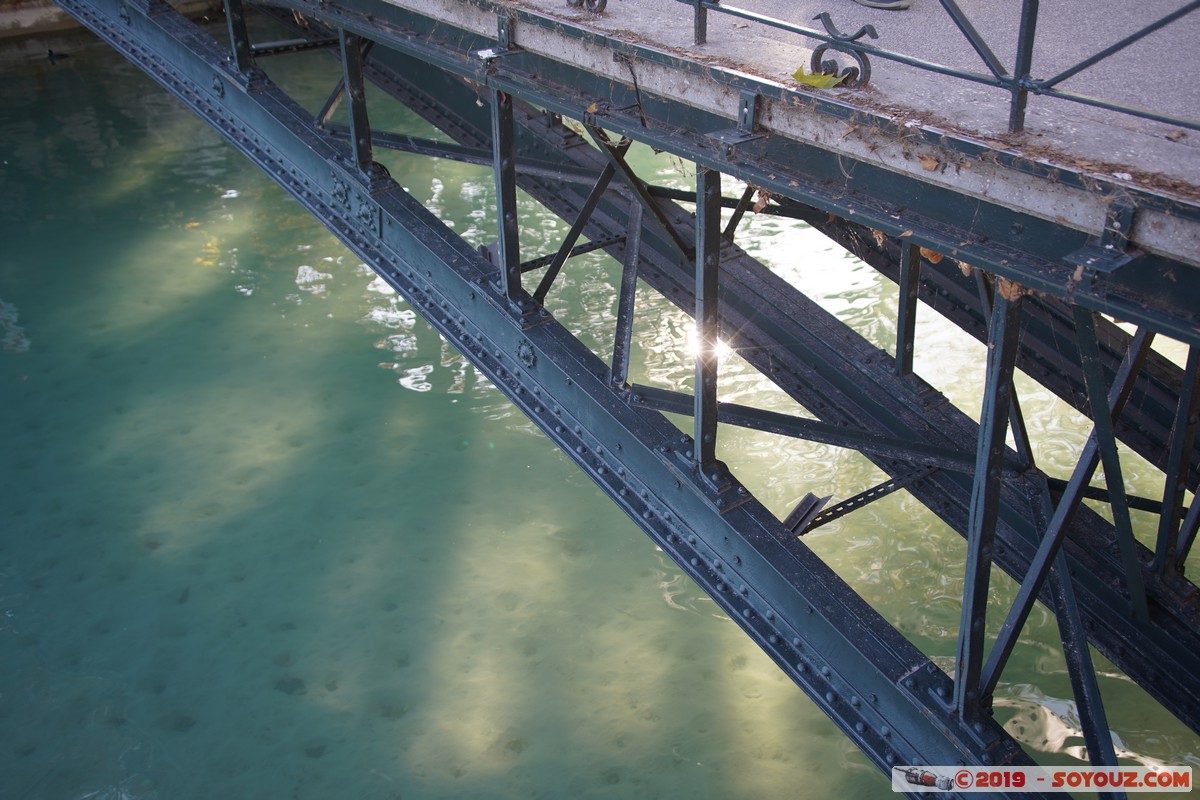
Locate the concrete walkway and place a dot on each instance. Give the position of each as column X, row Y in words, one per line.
column 1158, row 73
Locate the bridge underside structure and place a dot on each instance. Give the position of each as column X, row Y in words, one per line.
column 1039, row 289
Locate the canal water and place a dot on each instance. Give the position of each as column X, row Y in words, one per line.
column 263, row 534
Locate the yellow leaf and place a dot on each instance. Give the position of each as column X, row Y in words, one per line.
column 592, row 108
column 819, row 80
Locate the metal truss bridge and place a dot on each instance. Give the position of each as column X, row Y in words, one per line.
column 1035, row 259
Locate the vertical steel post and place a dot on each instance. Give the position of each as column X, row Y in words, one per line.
column 708, row 257
column 1016, row 420
column 1183, row 434
column 1003, row 338
column 352, row 77
column 504, row 164
column 629, row 273
column 1020, row 92
column 239, row 38
column 1106, row 441
column 906, row 321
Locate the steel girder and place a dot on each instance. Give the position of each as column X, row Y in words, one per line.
column 760, row 311
column 871, row 681
column 856, row 667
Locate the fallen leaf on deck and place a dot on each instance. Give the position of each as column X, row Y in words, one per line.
column 819, row 80
column 929, row 162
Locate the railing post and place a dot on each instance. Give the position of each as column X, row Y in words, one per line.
column 1021, row 77
column 700, row 25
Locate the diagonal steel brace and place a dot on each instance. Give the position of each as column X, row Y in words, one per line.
column 615, row 152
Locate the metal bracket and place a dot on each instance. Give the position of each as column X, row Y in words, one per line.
column 714, row 479
column 808, row 508
column 747, row 127
column 1110, row 251
column 505, row 39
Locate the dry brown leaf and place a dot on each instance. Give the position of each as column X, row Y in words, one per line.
column 906, row 233
column 1176, row 135
column 967, row 269
column 761, row 202
column 929, row 163
column 931, row 255
column 878, row 237
column 1009, row 290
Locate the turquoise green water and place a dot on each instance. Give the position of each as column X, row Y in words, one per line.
column 264, row 534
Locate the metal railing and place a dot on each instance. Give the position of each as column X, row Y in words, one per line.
column 1020, row 82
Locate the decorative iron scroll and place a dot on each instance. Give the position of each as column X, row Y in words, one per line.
column 853, row 76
